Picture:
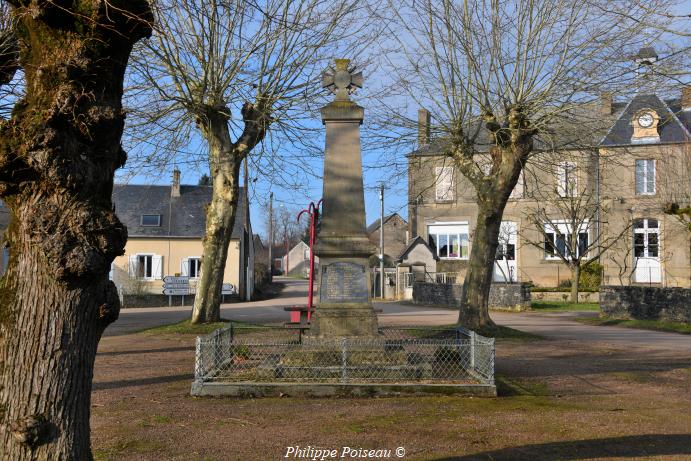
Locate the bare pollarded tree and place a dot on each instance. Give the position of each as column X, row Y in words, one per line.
column 58, row 154
column 564, row 210
column 500, row 78
column 243, row 76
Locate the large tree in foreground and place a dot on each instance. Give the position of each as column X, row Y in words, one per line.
column 500, row 77
column 58, row 155
column 238, row 72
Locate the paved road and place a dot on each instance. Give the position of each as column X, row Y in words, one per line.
column 553, row 325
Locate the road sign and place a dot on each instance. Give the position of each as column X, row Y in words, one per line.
column 228, row 289
column 176, row 285
column 173, row 279
column 176, row 291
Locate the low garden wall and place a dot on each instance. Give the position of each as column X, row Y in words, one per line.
column 646, row 303
column 583, row 296
column 506, row 296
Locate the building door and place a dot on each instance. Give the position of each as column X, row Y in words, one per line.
column 505, row 269
column 646, row 251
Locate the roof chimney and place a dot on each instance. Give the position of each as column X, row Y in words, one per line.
column 423, row 127
column 175, row 189
column 686, row 98
column 606, row 103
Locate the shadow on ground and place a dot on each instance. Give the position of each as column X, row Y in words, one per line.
column 122, row 383
column 627, row 446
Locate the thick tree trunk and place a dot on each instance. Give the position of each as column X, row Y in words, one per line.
column 220, row 217
column 474, row 312
column 575, row 283
column 58, row 155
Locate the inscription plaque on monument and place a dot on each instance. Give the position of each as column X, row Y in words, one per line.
column 343, row 282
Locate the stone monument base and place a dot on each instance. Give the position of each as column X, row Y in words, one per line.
column 331, row 322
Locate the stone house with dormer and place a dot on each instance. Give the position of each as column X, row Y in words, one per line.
column 633, row 171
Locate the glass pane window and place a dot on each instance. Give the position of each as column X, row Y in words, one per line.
column 453, row 246
column 582, row 243
column 549, row 244
column 151, row 220
column 443, row 246
column 195, row 267
column 449, row 241
column 510, row 251
column 645, row 177
column 652, row 245
column 639, row 245
column 145, row 266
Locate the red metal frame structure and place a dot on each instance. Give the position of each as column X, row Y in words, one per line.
column 313, row 211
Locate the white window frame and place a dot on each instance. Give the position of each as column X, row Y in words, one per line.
column 557, row 227
column 458, row 229
column 646, row 170
column 567, row 179
column 444, row 185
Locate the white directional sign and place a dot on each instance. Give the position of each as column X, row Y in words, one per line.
column 176, row 285
column 228, row 289
column 176, row 291
column 169, row 279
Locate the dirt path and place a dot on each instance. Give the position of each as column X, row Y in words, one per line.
column 559, row 400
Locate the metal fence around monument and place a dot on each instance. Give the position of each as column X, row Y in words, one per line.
column 260, row 354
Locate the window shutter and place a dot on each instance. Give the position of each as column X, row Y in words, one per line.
column 132, row 266
column 157, row 267
column 185, row 267
column 517, row 191
column 640, row 177
column 650, row 177
column 561, row 180
column 444, row 189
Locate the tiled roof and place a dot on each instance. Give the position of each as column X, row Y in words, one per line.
column 182, row 216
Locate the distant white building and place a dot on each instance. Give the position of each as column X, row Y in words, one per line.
column 298, row 260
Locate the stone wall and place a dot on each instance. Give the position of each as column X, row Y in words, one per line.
column 505, row 296
column 646, row 303
column 160, row 300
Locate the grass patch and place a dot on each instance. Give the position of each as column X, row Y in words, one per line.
column 559, row 306
column 186, row 327
column 657, row 325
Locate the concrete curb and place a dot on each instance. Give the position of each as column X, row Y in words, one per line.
column 252, row 390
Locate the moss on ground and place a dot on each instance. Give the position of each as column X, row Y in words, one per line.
column 559, row 306
column 186, row 327
column 657, row 325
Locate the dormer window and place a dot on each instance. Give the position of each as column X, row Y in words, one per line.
column 151, row 220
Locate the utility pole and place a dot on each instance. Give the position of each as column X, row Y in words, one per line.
column 381, row 241
column 271, row 237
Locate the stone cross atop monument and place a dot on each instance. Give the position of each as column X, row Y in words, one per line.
column 341, row 80
column 344, row 308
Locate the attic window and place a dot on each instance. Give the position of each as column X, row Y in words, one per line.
column 151, row 220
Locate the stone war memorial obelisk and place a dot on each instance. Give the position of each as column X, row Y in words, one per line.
column 344, row 308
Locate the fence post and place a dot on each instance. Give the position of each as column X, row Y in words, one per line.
column 198, row 363
column 344, row 360
column 472, row 350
